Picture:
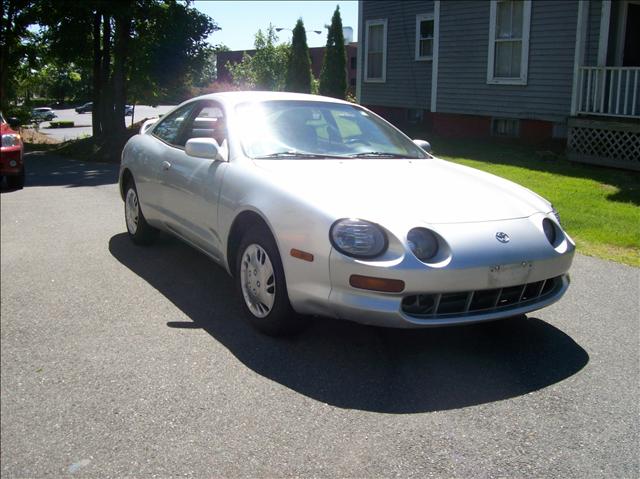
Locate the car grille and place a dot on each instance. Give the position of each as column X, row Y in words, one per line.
column 481, row 301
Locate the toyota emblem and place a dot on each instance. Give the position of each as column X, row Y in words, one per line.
column 502, row 237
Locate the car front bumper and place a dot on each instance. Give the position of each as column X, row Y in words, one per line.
column 11, row 160
column 486, row 282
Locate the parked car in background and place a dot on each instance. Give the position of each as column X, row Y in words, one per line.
column 321, row 207
column 43, row 114
column 85, row 108
column 11, row 153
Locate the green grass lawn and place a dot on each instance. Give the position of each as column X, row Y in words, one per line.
column 599, row 207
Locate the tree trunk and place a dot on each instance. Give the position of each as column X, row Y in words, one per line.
column 97, row 79
column 106, row 100
column 121, row 43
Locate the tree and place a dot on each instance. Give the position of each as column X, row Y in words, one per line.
column 140, row 49
column 333, row 77
column 209, row 71
column 299, row 67
column 15, row 44
column 267, row 68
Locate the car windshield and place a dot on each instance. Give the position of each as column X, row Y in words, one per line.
column 310, row 129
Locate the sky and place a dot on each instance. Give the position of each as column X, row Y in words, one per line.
column 240, row 20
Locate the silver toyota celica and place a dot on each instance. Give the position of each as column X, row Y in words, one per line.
column 317, row 206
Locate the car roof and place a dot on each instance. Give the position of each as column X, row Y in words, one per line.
column 235, row 97
column 42, row 108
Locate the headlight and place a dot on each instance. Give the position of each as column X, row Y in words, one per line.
column 422, row 243
column 550, row 231
column 10, row 140
column 358, row 238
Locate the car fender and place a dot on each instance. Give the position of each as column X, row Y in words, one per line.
column 294, row 224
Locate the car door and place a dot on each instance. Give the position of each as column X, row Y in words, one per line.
column 150, row 180
column 192, row 185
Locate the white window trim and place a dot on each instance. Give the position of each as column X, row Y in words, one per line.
column 436, row 48
column 359, row 72
column 526, row 26
column 368, row 23
column 420, row 18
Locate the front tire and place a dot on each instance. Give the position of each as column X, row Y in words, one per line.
column 262, row 287
column 140, row 232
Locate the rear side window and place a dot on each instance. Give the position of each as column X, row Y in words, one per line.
column 208, row 122
column 169, row 129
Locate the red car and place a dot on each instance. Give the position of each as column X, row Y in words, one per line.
column 11, row 155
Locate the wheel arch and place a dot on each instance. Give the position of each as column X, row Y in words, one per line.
column 242, row 223
column 125, row 177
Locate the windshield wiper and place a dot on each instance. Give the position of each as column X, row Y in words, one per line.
column 379, row 154
column 296, row 154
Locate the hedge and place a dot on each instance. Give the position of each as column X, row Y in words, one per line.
column 61, row 124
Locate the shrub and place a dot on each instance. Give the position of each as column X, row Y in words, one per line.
column 61, row 124
column 22, row 113
column 333, row 77
column 299, row 67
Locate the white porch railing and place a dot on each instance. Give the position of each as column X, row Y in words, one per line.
column 609, row 91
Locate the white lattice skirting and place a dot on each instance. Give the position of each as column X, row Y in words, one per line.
column 605, row 143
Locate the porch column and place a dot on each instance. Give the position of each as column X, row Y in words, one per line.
column 578, row 57
column 605, row 19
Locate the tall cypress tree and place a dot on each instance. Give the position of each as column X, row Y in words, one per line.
column 333, row 78
column 299, row 66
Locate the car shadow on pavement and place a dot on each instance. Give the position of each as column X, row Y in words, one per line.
column 46, row 169
column 359, row 367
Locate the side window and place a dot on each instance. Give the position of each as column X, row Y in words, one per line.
column 170, row 127
column 209, row 122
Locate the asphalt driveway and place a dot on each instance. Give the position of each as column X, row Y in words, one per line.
column 119, row 361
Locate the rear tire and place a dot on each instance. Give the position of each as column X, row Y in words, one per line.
column 140, row 232
column 261, row 285
column 17, row 181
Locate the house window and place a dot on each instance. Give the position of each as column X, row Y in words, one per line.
column 424, row 37
column 376, row 51
column 509, row 41
column 509, row 127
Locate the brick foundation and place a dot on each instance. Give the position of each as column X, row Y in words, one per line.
column 450, row 125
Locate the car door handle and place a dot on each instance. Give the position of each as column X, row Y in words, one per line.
column 166, row 165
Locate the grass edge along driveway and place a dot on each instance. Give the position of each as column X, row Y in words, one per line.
column 599, row 207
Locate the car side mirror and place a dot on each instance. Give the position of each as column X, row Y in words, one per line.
column 204, row 148
column 425, row 145
column 13, row 122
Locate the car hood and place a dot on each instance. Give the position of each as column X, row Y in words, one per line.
column 431, row 190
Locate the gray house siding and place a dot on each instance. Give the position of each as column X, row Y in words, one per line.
column 462, row 72
column 593, row 33
column 408, row 82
